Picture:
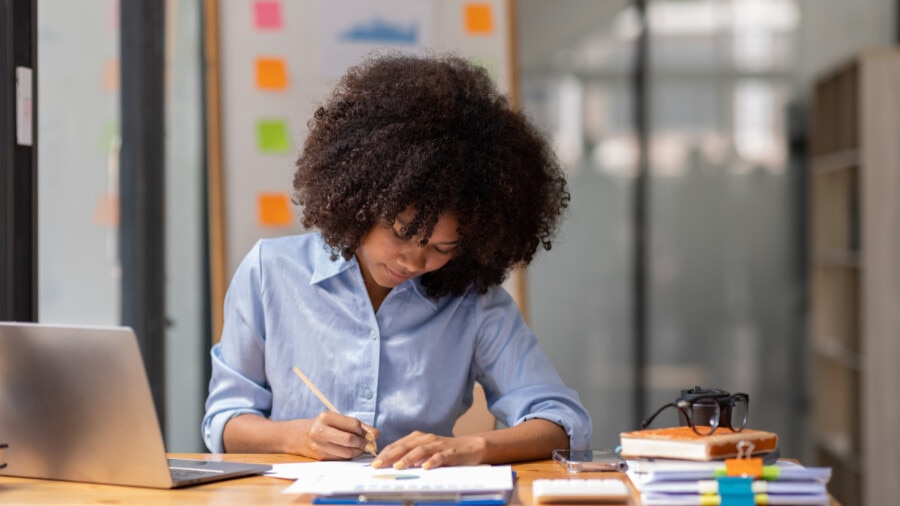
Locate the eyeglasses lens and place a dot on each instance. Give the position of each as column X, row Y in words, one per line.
column 705, row 416
column 740, row 411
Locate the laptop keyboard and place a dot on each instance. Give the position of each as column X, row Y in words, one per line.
column 181, row 474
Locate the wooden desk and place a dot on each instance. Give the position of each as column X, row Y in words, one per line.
column 251, row 490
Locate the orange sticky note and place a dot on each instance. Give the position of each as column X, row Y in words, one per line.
column 106, row 212
column 274, row 210
column 478, row 19
column 111, row 75
column 744, row 467
column 271, row 74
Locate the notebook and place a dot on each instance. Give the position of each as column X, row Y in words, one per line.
column 75, row 405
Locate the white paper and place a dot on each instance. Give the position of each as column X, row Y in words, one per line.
column 328, row 478
column 295, row 470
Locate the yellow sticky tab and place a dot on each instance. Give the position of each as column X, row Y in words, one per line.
column 274, row 210
column 709, row 500
column 478, row 19
column 271, row 74
column 744, row 467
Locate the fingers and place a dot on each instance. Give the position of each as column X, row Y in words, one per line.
column 334, row 436
column 428, row 451
column 371, row 437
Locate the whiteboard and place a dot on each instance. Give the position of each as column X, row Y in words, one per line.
column 278, row 59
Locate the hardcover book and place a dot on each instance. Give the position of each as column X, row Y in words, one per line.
column 683, row 443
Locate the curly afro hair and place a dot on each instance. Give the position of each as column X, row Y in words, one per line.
column 434, row 134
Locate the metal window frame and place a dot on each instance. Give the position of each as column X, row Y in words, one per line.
column 142, row 184
column 18, row 166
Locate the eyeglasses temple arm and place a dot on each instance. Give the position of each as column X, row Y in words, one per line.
column 647, row 421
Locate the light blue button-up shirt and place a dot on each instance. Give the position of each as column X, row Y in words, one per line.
column 410, row 366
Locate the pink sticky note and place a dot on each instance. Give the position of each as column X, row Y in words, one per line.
column 112, row 17
column 267, row 15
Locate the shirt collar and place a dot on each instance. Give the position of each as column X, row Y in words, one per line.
column 420, row 291
column 325, row 268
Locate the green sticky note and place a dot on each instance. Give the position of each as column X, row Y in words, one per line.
column 109, row 136
column 488, row 64
column 272, row 136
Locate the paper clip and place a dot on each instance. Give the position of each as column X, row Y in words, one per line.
column 744, row 464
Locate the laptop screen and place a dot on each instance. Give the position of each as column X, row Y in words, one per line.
column 75, row 404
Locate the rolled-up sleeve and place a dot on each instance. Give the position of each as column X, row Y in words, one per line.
column 238, row 382
column 520, row 381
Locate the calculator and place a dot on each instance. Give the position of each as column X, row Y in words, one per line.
column 580, row 491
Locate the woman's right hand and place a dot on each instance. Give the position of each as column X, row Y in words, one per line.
column 331, row 436
column 328, row 436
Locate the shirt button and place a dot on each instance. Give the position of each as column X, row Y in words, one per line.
column 374, row 335
column 368, row 394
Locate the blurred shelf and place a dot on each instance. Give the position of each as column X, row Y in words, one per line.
column 841, row 160
column 854, row 178
column 832, row 349
column 838, row 447
column 838, row 258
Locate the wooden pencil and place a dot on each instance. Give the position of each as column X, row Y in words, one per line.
column 371, row 447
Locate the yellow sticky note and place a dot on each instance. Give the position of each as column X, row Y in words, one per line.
column 271, row 74
column 478, row 19
column 272, row 136
column 274, row 210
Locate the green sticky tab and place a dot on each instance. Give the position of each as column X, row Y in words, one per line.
column 771, row 473
column 272, row 136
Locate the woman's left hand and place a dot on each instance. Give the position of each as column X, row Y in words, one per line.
column 420, row 449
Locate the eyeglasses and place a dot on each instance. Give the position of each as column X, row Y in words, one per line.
column 705, row 414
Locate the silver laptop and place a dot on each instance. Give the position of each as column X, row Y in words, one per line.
column 75, row 405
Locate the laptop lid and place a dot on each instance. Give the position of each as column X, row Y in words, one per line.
column 75, row 405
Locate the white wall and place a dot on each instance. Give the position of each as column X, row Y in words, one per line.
column 832, row 31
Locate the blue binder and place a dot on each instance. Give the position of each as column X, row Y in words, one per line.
column 418, row 499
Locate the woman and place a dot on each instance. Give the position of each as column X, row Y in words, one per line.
column 424, row 189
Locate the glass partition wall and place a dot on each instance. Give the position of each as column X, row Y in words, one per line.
column 79, row 126
column 79, row 274
column 724, row 266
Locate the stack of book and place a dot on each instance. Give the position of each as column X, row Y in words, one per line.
column 674, row 467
